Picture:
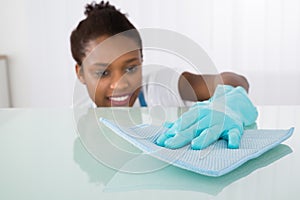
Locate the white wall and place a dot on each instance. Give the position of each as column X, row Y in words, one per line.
column 34, row 36
column 258, row 38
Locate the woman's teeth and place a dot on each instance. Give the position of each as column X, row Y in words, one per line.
column 121, row 98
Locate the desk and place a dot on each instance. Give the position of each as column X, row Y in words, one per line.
column 42, row 157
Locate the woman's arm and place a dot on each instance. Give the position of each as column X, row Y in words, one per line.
column 195, row 87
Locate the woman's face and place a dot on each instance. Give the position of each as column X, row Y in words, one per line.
column 112, row 71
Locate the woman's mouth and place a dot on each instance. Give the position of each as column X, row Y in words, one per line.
column 120, row 100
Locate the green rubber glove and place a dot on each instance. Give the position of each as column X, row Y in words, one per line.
column 223, row 116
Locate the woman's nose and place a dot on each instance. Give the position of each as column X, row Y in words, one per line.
column 119, row 82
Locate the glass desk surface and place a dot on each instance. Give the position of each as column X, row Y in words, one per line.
column 60, row 154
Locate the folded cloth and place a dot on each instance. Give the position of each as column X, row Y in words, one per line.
column 215, row 160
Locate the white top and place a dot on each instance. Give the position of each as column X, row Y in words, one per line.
column 160, row 87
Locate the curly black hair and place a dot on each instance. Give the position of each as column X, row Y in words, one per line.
column 101, row 19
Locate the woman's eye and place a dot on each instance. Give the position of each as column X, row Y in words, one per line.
column 131, row 69
column 101, row 73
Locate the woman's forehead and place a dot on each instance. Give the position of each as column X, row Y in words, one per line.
column 109, row 49
column 123, row 60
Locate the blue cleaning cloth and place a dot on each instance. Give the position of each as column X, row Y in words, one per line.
column 215, row 160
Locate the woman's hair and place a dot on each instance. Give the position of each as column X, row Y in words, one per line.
column 101, row 19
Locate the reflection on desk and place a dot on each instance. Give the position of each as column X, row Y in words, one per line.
column 170, row 177
column 100, row 143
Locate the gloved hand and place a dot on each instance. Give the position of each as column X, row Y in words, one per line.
column 223, row 116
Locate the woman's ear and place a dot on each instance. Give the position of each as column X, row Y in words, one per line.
column 79, row 73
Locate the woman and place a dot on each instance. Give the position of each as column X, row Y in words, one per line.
column 107, row 49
